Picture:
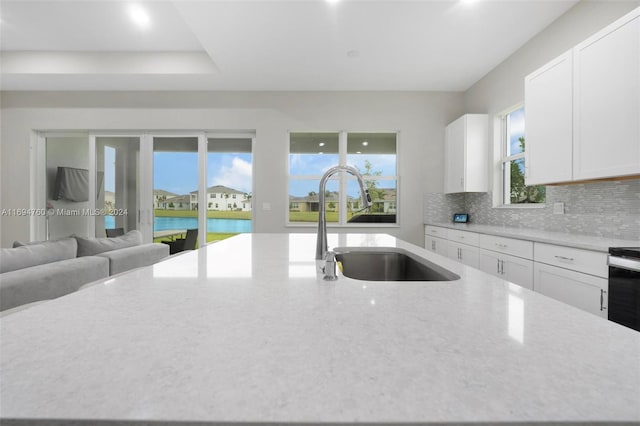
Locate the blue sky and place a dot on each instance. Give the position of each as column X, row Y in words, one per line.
column 317, row 165
column 177, row 172
column 516, row 130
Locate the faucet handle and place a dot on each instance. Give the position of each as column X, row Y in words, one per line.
column 330, row 267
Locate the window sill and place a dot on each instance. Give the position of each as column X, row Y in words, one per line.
column 521, row 206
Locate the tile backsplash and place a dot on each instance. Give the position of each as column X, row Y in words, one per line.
column 607, row 209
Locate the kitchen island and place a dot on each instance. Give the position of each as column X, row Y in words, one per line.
column 246, row 331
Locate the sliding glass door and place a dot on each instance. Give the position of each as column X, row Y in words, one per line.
column 175, row 186
column 117, row 180
column 161, row 184
column 229, row 186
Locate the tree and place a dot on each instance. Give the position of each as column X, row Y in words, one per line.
column 376, row 193
column 520, row 192
column 171, row 205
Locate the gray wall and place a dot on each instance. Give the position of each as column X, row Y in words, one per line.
column 420, row 117
column 610, row 209
column 66, row 152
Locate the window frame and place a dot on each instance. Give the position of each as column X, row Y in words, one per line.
column 343, row 179
column 504, row 161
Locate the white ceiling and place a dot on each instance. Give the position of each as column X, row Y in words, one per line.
column 263, row 45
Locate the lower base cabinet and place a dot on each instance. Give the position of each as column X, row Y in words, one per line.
column 437, row 245
column 463, row 253
column 583, row 291
column 511, row 268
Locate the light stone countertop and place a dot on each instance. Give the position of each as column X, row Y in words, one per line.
column 587, row 242
column 245, row 331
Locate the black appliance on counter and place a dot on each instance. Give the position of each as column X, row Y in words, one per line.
column 624, row 286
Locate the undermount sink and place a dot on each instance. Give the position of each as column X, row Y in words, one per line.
column 388, row 264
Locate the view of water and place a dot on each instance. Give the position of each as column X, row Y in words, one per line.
column 213, row 225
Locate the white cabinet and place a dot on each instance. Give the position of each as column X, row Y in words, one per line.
column 507, row 258
column 607, row 101
column 582, row 109
column 583, row 291
column 437, row 245
column 463, row 253
column 511, row 268
column 466, row 155
column 574, row 276
column 585, row 261
column 548, row 101
column 435, row 239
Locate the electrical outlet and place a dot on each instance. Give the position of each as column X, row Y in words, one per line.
column 558, row 208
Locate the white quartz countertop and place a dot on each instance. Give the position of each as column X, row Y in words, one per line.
column 245, row 331
column 587, row 242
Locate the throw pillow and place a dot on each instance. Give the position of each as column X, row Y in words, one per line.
column 93, row 246
column 12, row 259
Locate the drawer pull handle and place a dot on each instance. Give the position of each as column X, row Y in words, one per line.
column 568, row 259
column 501, row 245
column 602, row 292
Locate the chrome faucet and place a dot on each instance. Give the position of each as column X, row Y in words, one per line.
column 321, row 243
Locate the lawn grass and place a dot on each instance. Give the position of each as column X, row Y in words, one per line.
column 311, row 217
column 211, row 214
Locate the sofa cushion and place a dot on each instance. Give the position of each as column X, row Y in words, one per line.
column 135, row 257
column 31, row 243
column 50, row 280
column 12, row 259
column 93, row 246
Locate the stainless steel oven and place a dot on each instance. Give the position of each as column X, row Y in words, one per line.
column 624, row 286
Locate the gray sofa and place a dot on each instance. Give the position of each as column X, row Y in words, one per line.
column 45, row 270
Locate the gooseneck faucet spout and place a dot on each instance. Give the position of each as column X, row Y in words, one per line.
column 321, row 243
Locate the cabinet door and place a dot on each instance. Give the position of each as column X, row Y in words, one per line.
column 489, row 262
column 454, row 156
column 463, row 253
column 548, row 102
column 511, row 268
column 517, row 270
column 607, row 101
column 583, row 291
column 437, row 245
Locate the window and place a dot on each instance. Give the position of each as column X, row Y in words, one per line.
column 514, row 190
column 312, row 154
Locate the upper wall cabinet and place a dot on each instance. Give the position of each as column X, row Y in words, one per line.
column 548, row 95
column 466, row 154
column 607, row 101
column 583, row 109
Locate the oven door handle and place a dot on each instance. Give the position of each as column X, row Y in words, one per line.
column 622, row 263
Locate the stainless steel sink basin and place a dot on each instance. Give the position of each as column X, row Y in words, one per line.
column 389, row 264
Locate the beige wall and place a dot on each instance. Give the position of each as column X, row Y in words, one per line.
column 419, row 117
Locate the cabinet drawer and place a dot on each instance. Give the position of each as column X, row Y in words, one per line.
column 585, row 261
column 435, row 231
column 464, row 237
column 508, row 246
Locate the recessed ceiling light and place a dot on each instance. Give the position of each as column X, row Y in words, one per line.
column 358, row 152
column 321, row 152
column 365, row 143
column 332, row 1
column 321, row 144
column 139, row 15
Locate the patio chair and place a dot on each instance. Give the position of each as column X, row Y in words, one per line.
column 182, row 244
column 114, row 232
